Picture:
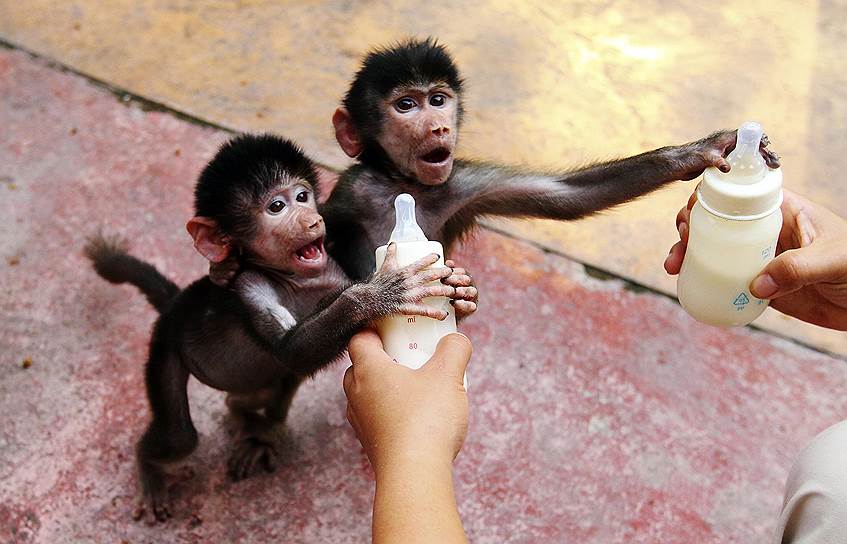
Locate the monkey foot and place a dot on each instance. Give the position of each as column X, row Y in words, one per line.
column 251, row 453
column 153, row 508
column 183, row 474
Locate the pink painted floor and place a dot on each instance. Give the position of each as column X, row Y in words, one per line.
column 599, row 413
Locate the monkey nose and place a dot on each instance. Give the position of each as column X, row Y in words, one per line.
column 441, row 130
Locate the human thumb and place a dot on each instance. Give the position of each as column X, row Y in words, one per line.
column 452, row 355
column 797, row 268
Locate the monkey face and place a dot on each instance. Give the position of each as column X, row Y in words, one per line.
column 419, row 131
column 290, row 233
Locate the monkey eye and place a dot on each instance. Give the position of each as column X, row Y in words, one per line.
column 276, row 206
column 437, row 100
column 405, row 104
column 303, row 196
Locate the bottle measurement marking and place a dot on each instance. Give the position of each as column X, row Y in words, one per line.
column 410, row 319
column 413, row 345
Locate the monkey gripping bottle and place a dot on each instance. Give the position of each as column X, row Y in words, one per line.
column 410, row 339
column 733, row 232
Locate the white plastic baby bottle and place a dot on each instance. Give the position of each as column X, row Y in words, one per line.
column 409, row 339
column 733, row 232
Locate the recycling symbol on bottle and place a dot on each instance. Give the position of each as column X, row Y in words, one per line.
column 740, row 301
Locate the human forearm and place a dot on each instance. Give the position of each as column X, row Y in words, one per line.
column 415, row 503
column 412, row 424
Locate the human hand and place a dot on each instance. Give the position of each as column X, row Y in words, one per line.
column 402, row 415
column 466, row 297
column 808, row 277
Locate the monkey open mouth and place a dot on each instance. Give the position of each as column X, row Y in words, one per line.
column 312, row 252
column 437, row 155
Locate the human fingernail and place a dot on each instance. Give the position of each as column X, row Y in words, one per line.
column 763, row 286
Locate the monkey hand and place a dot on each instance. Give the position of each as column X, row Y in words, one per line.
column 401, row 290
column 466, row 299
column 224, row 272
column 691, row 159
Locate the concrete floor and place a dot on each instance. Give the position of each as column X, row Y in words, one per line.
column 600, row 412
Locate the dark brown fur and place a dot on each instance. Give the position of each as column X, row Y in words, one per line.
column 359, row 213
column 259, row 339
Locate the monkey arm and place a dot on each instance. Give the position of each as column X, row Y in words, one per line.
column 304, row 346
column 497, row 190
column 483, row 189
column 323, row 336
column 307, row 345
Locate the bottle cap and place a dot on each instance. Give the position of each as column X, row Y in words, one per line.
column 406, row 227
column 750, row 190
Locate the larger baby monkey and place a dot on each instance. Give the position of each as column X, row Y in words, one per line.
column 400, row 120
column 289, row 313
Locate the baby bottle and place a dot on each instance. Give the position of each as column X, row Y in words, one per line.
column 411, row 339
column 733, row 232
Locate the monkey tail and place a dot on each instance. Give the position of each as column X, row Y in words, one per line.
column 112, row 262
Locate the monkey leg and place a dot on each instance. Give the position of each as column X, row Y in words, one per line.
column 277, row 410
column 255, row 444
column 254, row 440
column 169, row 438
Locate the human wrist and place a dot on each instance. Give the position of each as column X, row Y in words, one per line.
column 415, row 502
column 421, row 481
column 412, row 460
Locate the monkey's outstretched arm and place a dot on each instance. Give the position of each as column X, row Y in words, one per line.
column 494, row 190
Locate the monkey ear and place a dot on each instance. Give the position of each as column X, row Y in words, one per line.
column 208, row 240
column 345, row 133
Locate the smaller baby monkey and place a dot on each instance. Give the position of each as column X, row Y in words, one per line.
column 289, row 313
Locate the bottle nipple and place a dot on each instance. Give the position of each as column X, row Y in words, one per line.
column 406, row 227
column 747, row 164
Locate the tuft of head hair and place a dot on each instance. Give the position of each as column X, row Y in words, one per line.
column 241, row 173
column 411, row 62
